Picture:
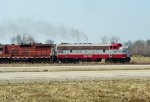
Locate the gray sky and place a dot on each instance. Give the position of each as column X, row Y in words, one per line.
column 75, row 20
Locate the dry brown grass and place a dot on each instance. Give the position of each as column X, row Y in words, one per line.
column 140, row 60
column 83, row 91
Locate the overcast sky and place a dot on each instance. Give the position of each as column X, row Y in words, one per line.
column 128, row 19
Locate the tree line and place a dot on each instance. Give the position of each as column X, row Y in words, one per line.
column 27, row 39
column 139, row 47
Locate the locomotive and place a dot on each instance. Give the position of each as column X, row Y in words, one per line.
column 88, row 52
column 64, row 53
column 36, row 52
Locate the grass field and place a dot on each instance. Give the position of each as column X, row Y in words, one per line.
column 82, row 91
column 140, row 59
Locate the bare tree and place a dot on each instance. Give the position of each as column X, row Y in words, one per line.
column 18, row 39
column 129, row 43
column 114, row 39
column 25, row 39
column 30, row 39
column 148, row 42
column 138, row 47
column 147, row 48
column 13, row 40
column 49, row 41
column 104, row 39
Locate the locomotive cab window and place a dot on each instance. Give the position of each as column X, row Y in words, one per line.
column 59, row 51
column 124, row 51
column 104, row 50
column 1, row 49
column 70, row 51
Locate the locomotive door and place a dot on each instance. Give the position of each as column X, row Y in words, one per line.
column 6, row 50
column 25, row 53
column 12, row 52
column 110, row 51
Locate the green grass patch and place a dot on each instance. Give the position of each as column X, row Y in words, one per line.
column 82, row 91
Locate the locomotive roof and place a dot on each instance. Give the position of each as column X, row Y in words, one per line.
column 30, row 45
column 88, row 46
column 83, row 44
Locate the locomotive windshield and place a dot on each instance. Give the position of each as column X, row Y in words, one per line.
column 125, row 50
column 1, row 49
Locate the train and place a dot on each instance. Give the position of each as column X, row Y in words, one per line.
column 64, row 53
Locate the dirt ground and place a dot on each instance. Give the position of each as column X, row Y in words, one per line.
column 19, row 77
column 73, row 68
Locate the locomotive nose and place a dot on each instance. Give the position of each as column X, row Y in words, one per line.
column 125, row 50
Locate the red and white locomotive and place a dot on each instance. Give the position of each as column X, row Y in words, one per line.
column 92, row 52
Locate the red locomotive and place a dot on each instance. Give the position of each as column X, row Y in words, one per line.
column 35, row 52
column 92, row 52
column 64, row 52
